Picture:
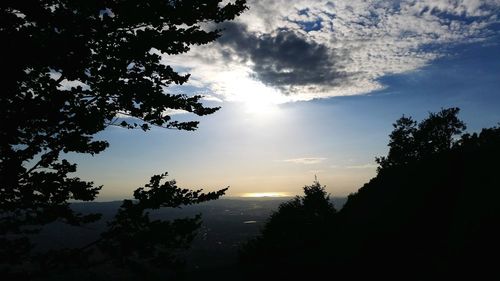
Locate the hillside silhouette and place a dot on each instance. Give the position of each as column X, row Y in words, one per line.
column 431, row 213
column 432, row 217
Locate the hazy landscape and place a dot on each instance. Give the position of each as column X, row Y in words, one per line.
column 227, row 223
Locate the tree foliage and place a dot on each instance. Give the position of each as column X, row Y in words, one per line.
column 410, row 141
column 132, row 235
column 72, row 68
column 294, row 235
column 300, row 215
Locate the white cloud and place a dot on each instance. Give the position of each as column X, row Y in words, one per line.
column 306, row 160
column 365, row 40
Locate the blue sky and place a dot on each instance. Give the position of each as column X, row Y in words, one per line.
column 279, row 125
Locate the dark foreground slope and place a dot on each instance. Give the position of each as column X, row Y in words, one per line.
column 431, row 213
column 436, row 217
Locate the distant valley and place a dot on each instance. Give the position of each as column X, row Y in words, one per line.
column 227, row 223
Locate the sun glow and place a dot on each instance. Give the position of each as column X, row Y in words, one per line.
column 265, row 194
column 256, row 97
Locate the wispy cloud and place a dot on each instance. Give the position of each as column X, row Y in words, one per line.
column 288, row 50
column 362, row 166
column 306, row 160
column 316, row 171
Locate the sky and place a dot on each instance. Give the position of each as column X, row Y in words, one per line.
column 312, row 88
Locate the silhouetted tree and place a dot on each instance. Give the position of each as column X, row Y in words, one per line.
column 73, row 67
column 300, row 216
column 402, row 143
column 409, row 141
column 132, row 235
column 436, row 133
column 294, row 236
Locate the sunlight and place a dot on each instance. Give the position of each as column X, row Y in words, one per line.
column 265, row 194
column 258, row 99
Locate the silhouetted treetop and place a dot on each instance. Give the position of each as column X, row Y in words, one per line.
column 311, row 209
column 155, row 195
column 316, row 200
column 437, row 132
column 134, row 237
column 410, row 140
column 294, row 235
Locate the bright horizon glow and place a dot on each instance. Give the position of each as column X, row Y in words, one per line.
column 265, row 194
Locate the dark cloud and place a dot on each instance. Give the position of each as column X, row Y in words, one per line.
column 283, row 59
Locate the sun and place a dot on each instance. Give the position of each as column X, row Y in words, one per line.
column 257, row 98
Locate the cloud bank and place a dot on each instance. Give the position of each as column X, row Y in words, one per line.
column 288, row 50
